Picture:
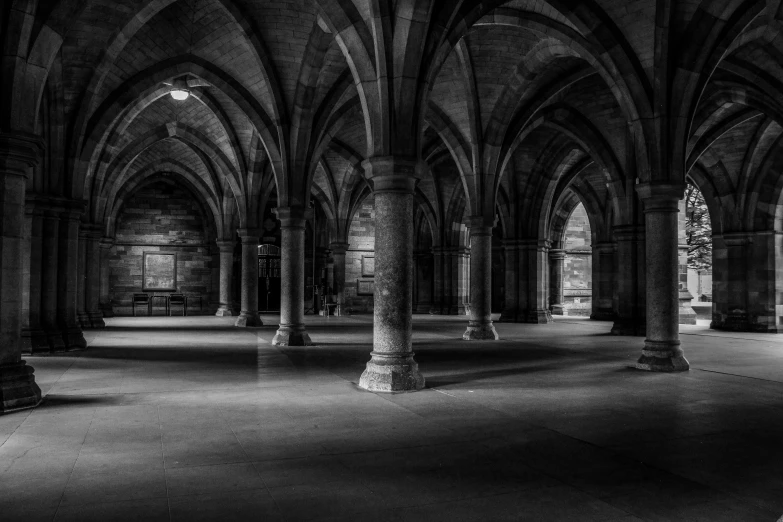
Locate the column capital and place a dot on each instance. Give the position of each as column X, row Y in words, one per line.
column 249, row 235
column 293, row 217
column 338, row 247
column 557, row 254
column 605, row 247
column 538, row 244
column 628, row 232
column 107, row 242
column 481, row 225
column 661, row 197
column 225, row 245
column 73, row 209
column 735, row 238
column 91, row 231
column 19, row 152
column 394, row 173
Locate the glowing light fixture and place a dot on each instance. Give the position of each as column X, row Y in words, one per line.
column 179, row 94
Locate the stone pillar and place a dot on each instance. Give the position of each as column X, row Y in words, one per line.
column 92, row 286
column 662, row 350
column 480, row 325
column 510, row 312
column 461, row 282
column 764, row 285
column 50, row 258
column 534, row 280
column 603, row 281
column 106, row 307
column 226, row 249
column 556, row 264
column 437, row 282
column 18, row 155
column 630, row 281
column 423, row 283
column 81, row 280
column 392, row 367
column 338, row 255
column 292, row 330
column 67, row 276
column 33, row 337
column 248, row 315
column 687, row 313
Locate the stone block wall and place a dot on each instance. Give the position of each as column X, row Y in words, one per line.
column 361, row 241
column 161, row 218
column 578, row 264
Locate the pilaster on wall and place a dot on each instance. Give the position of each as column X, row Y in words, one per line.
column 629, row 283
column 106, row 306
column 603, row 281
column 534, row 280
column 511, row 310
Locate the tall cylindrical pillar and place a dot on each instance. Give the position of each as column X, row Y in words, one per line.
column 480, row 325
column 437, row 307
column 92, row 287
column 339, row 249
column 50, row 261
column 33, row 337
column 81, row 280
column 292, row 330
column 630, row 280
column 18, row 155
column 662, row 350
column 67, row 276
column 248, row 315
column 511, row 312
column 226, row 254
column 603, row 281
column 556, row 264
column 107, row 243
column 392, row 367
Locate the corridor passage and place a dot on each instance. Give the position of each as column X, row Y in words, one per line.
column 192, row 419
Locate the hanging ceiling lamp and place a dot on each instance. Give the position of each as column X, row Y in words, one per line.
column 179, row 89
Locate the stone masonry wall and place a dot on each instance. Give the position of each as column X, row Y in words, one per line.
column 578, row 264
column 161, row 218
column 361, row 241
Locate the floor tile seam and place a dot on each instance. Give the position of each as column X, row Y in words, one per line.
column 739, row 376
column 731, row 338
column 163, row 457
column 70, row 474
column 73, row 361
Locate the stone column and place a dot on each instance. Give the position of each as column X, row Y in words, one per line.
column 687, row 313
column 424, row 284
column 338, row 255
column 392, row 367
column 92, row 287
column 50, row 258
column 226, row 249
column 480, row 325
column 556, row 265
column 18, row 155
column 292, row 330
column 534, row 280
column 81, row 281
column 248, row 315
column 630, row 281
column 106, row 245
column 662, row 350
column 764, row 286
column 437, row 279
column 67, row 276
column 33, row 337
column 603, row 281
column 461, row 281
column 510, row 312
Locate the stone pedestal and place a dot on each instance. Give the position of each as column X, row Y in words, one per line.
column 339, row 248
column 50, row 260
column 248, row 315
column 292, row 330
column 106, row 244
column 33, row 338
column 630, row 282
column 556, row 261
column 511, row 312
column 392, row 367
column 662, row 350
column 480, row 325
column 226, row 254
column 92, row 287
column 67, row 276
column 603, row 281
column 18, row 155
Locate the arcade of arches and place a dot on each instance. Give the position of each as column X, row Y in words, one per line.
column 409, row 156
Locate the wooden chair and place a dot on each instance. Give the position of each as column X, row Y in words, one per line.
column 141, row 299
column 177, row 299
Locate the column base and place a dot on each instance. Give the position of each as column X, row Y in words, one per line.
column 248, row 320
column 55, row 338
column 96, row 320
column 391, row 373
column 74, row 339
column 18, row 390
column 508, row 316
column 558, row 309
column 34, row 342
column 480, row 331
column 84, row 320
column 687, row 315
column 292, row 335
column 629, row 327
column 659, row 356
column 538, row 317
column 603, row 316
column 224, row 311
column 435, row 311
column 423, row 309
column 107, row 310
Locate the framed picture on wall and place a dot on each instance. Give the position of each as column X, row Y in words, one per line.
column 365, row 287
column 159, row 272
column 368, row 266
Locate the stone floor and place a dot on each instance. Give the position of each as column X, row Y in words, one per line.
column 191, row 419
